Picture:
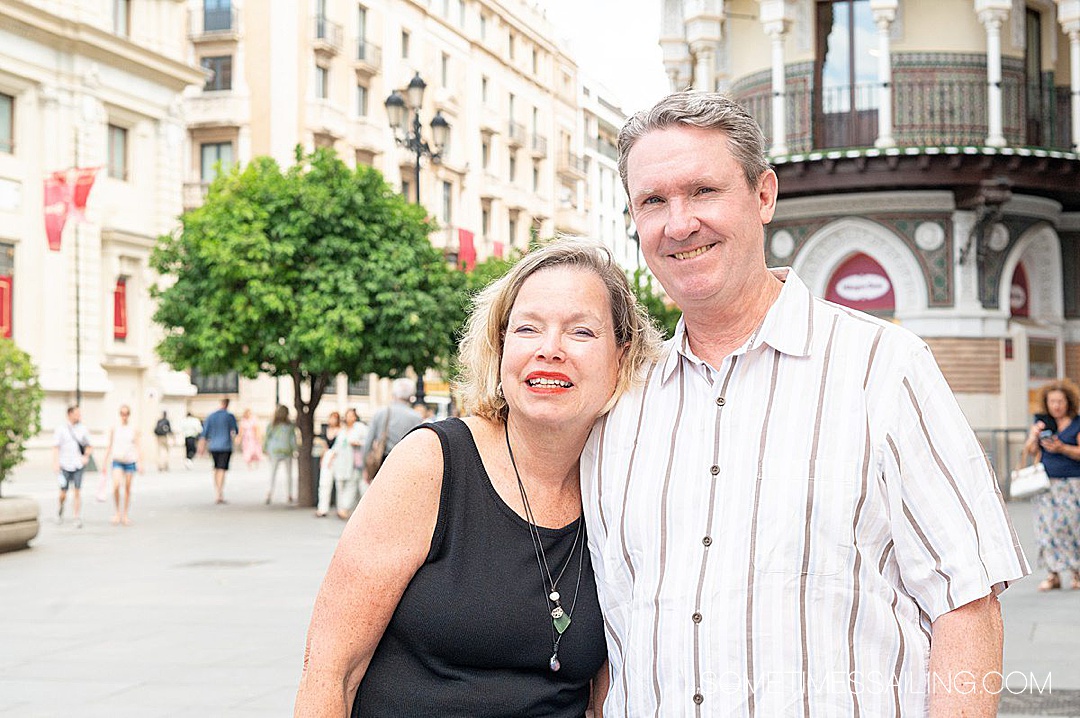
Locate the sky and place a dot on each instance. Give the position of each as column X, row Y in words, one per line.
column 615, row 41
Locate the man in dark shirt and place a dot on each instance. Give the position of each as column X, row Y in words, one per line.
column 218, row 435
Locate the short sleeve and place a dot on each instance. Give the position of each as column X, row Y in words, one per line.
column 953, row 538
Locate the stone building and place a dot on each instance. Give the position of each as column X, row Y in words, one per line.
column 928, row 167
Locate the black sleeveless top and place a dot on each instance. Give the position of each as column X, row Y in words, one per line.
column 472, row 634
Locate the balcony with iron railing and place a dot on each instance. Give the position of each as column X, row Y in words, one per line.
column 607, row 149
column 515, row 134
column 539, row 145
column 368, row 57
column 326, row 35
column 572, row 165
column 213, row 24
column 939, row 138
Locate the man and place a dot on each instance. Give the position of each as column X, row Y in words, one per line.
column 218, row 436
column 71, row 453
column 392, row 422
column 163, row 432
column 791, row 517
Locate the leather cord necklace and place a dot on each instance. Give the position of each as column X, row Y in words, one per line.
column 560, row 619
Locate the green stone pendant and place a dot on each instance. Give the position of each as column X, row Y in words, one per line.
column 561, row 623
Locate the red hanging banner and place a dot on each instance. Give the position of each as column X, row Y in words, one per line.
column 81, row 181
column 120, row 325
column 56, row 208
column 466, row 250
column 5, row 307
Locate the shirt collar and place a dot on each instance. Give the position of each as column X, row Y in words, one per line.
column 788, row 326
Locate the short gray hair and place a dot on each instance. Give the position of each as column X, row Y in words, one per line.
column 705, row 110
column 402, row 388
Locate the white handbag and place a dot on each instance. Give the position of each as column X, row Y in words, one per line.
column 1028, row 481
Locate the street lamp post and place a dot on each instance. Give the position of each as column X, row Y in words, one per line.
column 407, row 134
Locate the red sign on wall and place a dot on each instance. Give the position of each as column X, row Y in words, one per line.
column 861, row 283
column 6, row 294
column 120, row 323
column 466, row 250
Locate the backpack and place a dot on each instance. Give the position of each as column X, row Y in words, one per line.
column 162, row 427
column 373, row 459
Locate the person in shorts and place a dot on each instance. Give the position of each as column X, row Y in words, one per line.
column 218, row 436
column 71, row 452
column 123, row 449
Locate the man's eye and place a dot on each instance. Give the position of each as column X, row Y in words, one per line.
column 652, row 200
column 705, row 190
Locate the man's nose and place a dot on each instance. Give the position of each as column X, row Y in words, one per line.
column 682, row 221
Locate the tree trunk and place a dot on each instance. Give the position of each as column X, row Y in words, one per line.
column 307, row 493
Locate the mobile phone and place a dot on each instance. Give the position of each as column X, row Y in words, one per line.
column 1045, row 434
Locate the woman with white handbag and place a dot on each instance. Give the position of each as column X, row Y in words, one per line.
column 1057, row 511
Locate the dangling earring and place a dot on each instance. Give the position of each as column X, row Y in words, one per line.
column 499, row 391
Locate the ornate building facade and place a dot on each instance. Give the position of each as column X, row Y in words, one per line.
column 928, row 167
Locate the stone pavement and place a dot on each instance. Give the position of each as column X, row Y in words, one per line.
column 201, row 610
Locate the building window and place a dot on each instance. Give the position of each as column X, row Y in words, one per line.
column 121, row 17
column 406, row 189
column 404, row 44
column 510, row 106
column 120, row 312
column 485, row 153
column 361, row 101
column 227, row 383
column 483, row 26
column 535, row 61
column 322, row 82
column 365, row 158
column 484, row 90
column 217, row 15
column 510, row 44
column 360, row 387
column 221, row 67
column 210, row 155
column 513, row 165
column 485, row 221
column 447, row 203
column 7, row 278
column 361, row 23
column 536, row 176
column 7, row 123
column 118, row 152
column 847, row 72
column 512, row 228
column 444, row 70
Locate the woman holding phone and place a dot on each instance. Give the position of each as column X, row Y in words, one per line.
column 1057, row 511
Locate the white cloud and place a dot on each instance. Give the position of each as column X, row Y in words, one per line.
column 616, row 43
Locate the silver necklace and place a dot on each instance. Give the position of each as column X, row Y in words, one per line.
column 560, row 619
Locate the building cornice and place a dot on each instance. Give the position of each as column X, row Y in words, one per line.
column 25, row 20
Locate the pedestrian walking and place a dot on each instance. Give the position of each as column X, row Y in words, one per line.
column 329, row 436
column 190, row 427
column 1057, row 511
column 389, row 425
column 218, row 436
column 123, row 449
column 163, row 432
column 280, row 448
column 250, row 440
column 71, row 454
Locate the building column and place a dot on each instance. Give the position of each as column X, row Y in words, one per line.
column 1069, row 16
column 704, row 65
column 993, row 15
column 884, row 14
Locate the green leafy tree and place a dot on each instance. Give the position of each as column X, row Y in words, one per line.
column 664, row 315
column 307, row 273
column 20, row 408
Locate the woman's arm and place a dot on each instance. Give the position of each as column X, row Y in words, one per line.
column 384, row 544
column 598, row 691
column 108, row 452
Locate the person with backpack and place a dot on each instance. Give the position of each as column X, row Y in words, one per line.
column 389, row 425
column 163, row 432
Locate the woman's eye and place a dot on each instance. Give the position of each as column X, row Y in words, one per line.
column 526, row 329
column 584, row 332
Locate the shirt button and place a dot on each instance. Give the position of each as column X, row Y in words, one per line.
column 696, row 617
column 707, row 540
column 698, row 698
column 720, row 401
column 714, row 469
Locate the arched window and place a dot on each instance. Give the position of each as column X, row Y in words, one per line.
column 1018, row 293
column 861, row 283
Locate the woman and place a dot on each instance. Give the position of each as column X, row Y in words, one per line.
column 326, row 463
column 250, row 442
column 462, row 586
column 123, row 449
column 1057, row 511
column 280, row 447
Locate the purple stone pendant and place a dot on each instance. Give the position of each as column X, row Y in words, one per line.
column 554, row 664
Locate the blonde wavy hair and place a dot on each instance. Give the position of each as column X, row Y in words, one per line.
column 480, row 353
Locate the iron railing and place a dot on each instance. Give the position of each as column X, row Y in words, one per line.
column 368, row 53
